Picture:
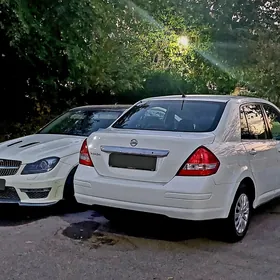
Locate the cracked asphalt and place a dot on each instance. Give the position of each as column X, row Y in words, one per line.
column 61, row 242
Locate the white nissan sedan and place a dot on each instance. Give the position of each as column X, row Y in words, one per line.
column 39, row 169
column 186, row 157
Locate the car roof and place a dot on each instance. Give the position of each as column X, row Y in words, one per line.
column 102, row 107
column 204, row 97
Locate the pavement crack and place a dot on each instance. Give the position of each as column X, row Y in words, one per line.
column 57, row 231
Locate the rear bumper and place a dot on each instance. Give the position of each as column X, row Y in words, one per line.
column 172, row 212
column 189, row 198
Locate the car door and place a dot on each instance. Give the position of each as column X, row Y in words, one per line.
column 273, row 120
column 261, row 151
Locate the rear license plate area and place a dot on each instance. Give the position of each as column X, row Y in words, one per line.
column 2, row 184
column 137, row 162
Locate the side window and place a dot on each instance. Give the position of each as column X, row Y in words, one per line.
column 273, row 117
column 245, row 133
column 255, row 126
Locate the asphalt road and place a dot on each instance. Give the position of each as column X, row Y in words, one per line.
column 55, row 243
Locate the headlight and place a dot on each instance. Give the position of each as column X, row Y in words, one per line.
column 40, row 166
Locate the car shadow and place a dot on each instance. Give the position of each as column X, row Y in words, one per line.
column 161, row 228
column 272, row 207
column 147, row 226
column 14, row 215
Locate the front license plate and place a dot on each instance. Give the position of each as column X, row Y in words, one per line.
column 2, row 184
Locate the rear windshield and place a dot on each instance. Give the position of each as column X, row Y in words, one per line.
column 173, row 115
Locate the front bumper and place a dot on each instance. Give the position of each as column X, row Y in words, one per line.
column 189, row 198
column 35, row 190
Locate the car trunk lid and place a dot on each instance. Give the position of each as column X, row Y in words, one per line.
column 150, row 156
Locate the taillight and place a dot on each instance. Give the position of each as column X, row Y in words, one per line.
column 84, row 155
column 201, row 163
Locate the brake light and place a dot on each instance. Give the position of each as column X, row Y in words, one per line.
column 201, row 163
column 84, row 155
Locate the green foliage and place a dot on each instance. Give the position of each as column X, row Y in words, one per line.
column 56, row 54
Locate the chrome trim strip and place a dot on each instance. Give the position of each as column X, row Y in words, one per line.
column 135, row 151
column 38, row 204
column 9, row 201
column 9, row 167
column 43, row 204
column 36, row 190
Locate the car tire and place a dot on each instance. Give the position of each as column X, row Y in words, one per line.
column 237, row 223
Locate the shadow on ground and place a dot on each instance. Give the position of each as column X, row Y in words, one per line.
column 157, row 227
column 140, row 225
column 161, row 228
column 13, row 215
column 273, row 207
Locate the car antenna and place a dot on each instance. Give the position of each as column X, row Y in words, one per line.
column 183, row 96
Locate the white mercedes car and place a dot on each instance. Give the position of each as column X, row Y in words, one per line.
column 193, row 158
column 39, row 169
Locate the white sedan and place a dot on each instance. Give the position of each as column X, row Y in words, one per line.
column 194, row 158
column 39, row 169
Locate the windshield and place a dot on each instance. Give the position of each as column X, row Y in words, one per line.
column 173, row 115
column 81, row 122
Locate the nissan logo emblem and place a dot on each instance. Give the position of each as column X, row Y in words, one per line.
column 133, row 143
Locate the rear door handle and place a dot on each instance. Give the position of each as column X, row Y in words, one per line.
column 253, row 152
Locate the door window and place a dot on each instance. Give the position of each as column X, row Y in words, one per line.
column 245, row 133
column 273, row 117
column 252, row 122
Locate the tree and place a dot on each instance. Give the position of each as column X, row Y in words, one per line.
column 56, row 54
column 53, row 52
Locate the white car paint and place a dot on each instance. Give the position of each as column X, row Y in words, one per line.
column 45, row 145
column 190, row 197
column 46, row 188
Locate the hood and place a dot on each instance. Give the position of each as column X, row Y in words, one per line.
column 38, row 146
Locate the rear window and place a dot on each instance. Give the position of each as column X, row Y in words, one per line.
column 173, row 115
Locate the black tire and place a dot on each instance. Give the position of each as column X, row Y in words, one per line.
column 68, row 192
column 231, row 234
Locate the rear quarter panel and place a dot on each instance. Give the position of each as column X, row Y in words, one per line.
column 229, row 149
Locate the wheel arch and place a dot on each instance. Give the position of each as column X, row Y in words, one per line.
column 68, row 185
column 247, row 179
column 250, row 185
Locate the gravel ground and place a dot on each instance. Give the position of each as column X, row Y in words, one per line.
column 56, row 243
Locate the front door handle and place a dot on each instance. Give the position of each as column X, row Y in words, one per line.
column 253, row 152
